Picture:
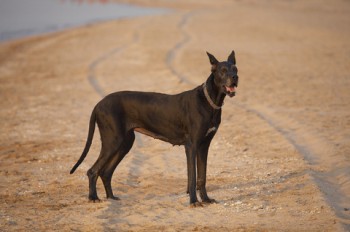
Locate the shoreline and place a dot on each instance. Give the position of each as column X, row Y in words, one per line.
column 52, row 22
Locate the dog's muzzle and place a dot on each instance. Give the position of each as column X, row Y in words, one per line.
column 231, row 85
column 230, row 91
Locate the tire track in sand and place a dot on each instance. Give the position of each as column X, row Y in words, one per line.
column 173, row 52
column 333, row 182
column 137, row 157
column 92, row 77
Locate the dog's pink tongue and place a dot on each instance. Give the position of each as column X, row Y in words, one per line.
column 230, row 89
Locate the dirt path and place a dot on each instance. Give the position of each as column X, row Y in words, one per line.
column 282, row 138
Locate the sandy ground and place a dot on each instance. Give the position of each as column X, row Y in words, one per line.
column 280, row 161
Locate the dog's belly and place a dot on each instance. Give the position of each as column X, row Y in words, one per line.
column 175, row 140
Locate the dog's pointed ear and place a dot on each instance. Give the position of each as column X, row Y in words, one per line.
column 232, row 58
column 213, row 61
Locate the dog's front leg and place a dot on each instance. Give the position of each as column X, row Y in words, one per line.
column 202, row 157
column 191, row 171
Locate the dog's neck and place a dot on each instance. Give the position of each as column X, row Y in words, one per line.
column 214, row 93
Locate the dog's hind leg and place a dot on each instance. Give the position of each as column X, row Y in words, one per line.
column 109, row 148
column 108, row 170
column 92, row 185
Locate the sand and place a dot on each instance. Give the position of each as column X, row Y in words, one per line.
column 279, row 162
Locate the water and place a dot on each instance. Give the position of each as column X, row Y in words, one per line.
column 19, row 18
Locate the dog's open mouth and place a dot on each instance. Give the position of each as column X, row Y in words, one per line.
column 230, row 91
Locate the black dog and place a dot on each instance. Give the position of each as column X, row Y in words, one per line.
column 190, row 118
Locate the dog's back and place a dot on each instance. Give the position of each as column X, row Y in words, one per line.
column 159, row 115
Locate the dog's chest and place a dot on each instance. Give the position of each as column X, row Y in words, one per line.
column 211, row 130
column 213, row 124
column 213, row 127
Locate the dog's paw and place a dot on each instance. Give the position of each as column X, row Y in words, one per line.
column 209, row 201
column 113, row 198
column 95, row 200
column 196, row 204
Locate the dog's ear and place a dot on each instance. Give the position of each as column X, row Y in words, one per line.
column 231, row 58
column 213, row 61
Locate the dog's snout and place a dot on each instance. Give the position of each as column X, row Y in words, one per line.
column 234, row 80
column 231, row 81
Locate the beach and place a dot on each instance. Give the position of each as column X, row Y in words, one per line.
column 279, row 161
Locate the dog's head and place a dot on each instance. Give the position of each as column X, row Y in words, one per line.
column 225, row 74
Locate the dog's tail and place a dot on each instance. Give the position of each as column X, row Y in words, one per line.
column 88, row 141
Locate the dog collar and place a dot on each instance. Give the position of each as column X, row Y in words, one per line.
column 206, row 94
